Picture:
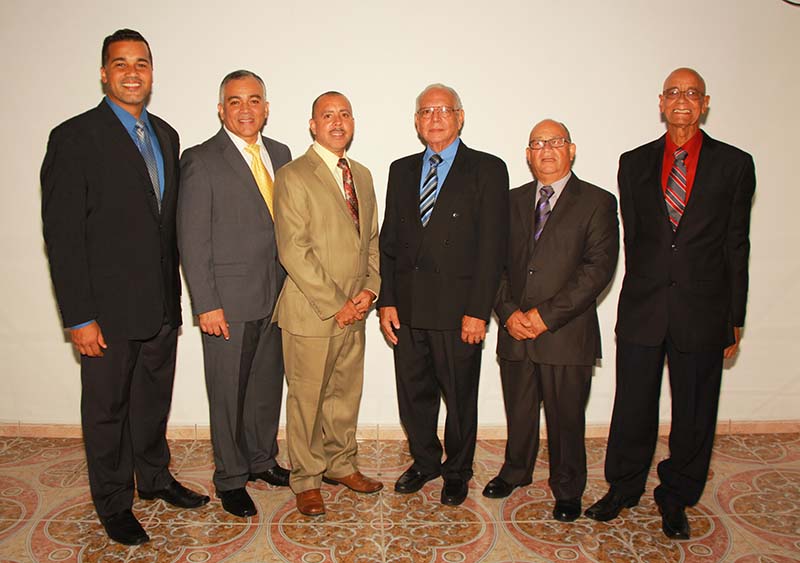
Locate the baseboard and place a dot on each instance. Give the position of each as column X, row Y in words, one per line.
column 394, row 432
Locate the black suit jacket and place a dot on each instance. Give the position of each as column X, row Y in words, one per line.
column 562, row 273
column 113, row 256
column 226, row 233
column 691, row 284
column 437, row 274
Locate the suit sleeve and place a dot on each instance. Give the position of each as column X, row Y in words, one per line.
column 64, row 212
column 388, row 246
column 601, row 249
column 195, row 208
column 295, row 246
column 492, row 237
column 737, row 243
column 373, row 280
column 626, row 205
column 504, row 305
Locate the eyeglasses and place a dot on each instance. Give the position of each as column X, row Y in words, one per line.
column 691, row 94
column 555, row 143
column 443, row 111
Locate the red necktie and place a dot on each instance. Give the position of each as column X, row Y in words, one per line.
column 349, row 192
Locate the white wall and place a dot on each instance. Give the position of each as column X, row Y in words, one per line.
column 597, row 66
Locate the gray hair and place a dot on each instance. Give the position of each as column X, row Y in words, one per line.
column 238, row 75
column 440, row 86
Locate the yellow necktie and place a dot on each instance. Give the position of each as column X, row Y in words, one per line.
column 261, row 175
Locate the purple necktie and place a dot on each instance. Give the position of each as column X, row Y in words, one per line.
column 542, row 210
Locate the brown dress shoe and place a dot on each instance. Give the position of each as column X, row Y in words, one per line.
column 357, row 482
column 310, row 503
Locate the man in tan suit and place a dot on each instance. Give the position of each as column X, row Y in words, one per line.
column 326, row 227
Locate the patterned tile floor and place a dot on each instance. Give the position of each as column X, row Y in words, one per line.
column 750, row 513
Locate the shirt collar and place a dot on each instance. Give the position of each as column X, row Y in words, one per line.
column 329, row 158
column 239, row 142
column 558, row 186
column 128, row 120
column 692, row 146
column 447, row 154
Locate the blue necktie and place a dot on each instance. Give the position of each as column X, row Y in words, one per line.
column 146, row 149
column 427, row 197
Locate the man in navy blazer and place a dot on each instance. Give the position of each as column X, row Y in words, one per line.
column 109, row 190
column 685, row 200
column 442, row 242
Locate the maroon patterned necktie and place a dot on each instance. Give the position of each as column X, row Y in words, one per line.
column 675, row 194
column 349, row 192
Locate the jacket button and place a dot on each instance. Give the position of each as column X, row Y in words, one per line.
column 674, row 247
column 416, row 268
column 673, row 283
column 406, row 245
column 530, row 272
column 446, row 242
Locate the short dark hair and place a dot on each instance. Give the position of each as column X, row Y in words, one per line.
column 328, row 93
column 123, row 35
column 238, row 75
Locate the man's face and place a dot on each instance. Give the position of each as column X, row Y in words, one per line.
column 438, row 131
column 684, row 99
column 332, row 123
column 550, row 164
column 244, row 110
column 128, row 75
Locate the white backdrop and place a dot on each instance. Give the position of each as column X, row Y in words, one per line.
column 597, row 66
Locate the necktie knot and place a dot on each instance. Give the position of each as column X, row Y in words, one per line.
column 343, row 164
column 546, row 192
column 680, row 154
column 253, row 149
column 435, row 160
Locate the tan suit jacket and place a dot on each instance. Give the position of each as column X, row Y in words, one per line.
column 326, row 260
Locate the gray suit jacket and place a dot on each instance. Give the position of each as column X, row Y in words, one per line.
column 226, row 235
column 562, row 273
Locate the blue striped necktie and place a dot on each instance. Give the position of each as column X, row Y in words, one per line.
column 146, row 149
column 675, row 194
column 427, row 197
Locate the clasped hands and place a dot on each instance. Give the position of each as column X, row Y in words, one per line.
column 526, row 326
column 355, row 309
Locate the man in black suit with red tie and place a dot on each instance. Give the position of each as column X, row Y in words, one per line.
column 109, row 192
column 685, row 200
column 562, row 251
column 443, row 242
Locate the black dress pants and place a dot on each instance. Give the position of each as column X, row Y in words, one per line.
column 431, row 365
column 694, row 379
column 125, row 400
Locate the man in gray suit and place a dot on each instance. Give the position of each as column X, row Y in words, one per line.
column 227, row 245
column 563, row 247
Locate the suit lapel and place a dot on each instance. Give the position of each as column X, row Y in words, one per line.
column 330, row 186
column 169, row 165
column 121, row 142
column 652, row 180
column 702, row 177
column 236, row 161
column 449, row 190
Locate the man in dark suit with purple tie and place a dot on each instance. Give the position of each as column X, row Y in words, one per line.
column 685, row 200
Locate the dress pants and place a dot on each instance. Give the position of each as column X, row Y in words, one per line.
column 564, row 391
column 324, row 376
column 125, row 400
column 244, row 381
column 431, row 365
column 694, row 379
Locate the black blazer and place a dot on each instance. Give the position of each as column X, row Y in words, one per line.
column 437, row 274
column 562, row 273
column 691, row 284
column 113, row 256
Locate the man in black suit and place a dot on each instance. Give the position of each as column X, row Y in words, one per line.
column 685, row 200
column 563, row 248
column 109, row 190
column 226, row 237
column 442, row 246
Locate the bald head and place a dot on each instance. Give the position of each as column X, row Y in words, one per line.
column 685, row 74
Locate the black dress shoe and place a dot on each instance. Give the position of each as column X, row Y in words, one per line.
column 567, row 510
column 454, row 491
column 275, row 475
column 412, row 480
column 177, row 495
column 237, row 502
column 124, row 528
column 500, row 488
column 609, row 507
column 673, row 521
